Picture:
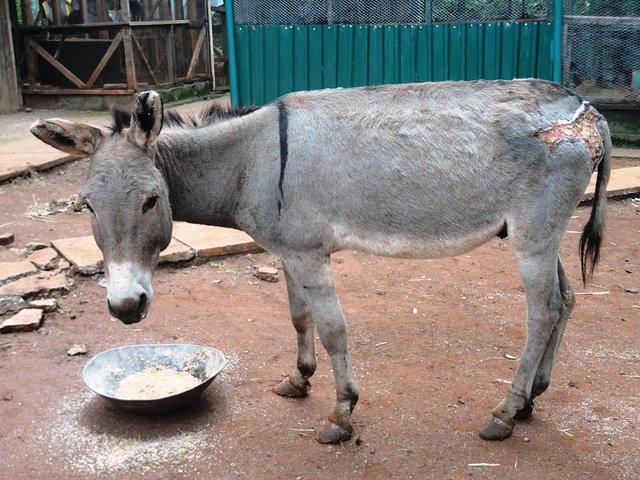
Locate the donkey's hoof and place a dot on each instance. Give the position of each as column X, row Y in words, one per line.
column 525, row 412
column 333, row 433
column 288, row 389
column 496, row 429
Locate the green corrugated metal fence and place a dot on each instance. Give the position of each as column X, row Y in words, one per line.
column 276, row 59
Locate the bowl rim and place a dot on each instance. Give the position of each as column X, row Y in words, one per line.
column 215, row 351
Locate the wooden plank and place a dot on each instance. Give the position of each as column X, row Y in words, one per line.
column 105, row 59
column 27, row 16
column 130, row 65
column 145, row 62
column 171, row 59
column 179, row 10
column 126, row 10
column 196, row 53
column 73, row 91
column 85, row 12
column 57, row 65
column 10, row 98
column 60, row 46
column 153, row 9
column 57, row 13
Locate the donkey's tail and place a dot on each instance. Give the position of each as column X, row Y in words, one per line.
column 592, row 235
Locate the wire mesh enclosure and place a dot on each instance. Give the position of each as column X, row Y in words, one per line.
column 601, row 58
column 301, row 12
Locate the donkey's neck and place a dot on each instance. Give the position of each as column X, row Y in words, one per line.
column 203, row 170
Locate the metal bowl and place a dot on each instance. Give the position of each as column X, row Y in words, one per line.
column 103, row 373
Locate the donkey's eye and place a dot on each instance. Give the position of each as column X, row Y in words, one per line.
column 149, row 204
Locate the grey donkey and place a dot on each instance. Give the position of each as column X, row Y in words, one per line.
column 413, row 171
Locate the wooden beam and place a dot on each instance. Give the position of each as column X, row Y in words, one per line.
column 105, row 58
column 145, row 62
column 85, row 12
column 27, row 16
column 10, row 97
column 171, row 59
column 153, row 9
column 60, row 46
column 73, row 91
column 196, row 53
column 130, row 65
column 57, row 12
column 57, row 65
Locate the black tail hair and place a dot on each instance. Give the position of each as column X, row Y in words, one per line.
column 593, row 232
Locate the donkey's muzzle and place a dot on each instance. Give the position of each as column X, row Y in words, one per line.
column 129, row 310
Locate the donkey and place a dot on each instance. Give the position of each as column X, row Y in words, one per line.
column 413, row 171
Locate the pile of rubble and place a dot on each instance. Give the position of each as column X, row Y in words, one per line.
column 28, row 288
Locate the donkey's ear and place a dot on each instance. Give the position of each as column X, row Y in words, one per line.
column 74, row 138
column 146, row 119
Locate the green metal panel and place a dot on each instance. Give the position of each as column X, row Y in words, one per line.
column 375, row 55
column 301, row 60
column 329, row 57
column 473, row 52
column 347, row 57
column 362, row 55
column 276, row 59
column 390, row 54
column 315, row 43
column 285, row 60
column 270, row 34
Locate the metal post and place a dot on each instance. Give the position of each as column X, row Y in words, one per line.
column 231, row 45
column 556, row 53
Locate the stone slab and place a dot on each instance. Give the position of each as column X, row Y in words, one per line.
column 86, row 257
column 81, row 252
column 46, row 304
column 11, row 304
column 36, row 284
column 24, row 321
column 177, row 251
column 45, row 259
column 626, row 153
column 211, row 241
column 10, row 271
column 21, row 156
column 623, row 181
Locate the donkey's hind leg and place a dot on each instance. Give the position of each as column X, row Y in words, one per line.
column 540, row 276
column 543, row 376
column 312, row 271
column 297, row 384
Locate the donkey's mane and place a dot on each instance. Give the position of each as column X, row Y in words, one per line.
column 121, row 117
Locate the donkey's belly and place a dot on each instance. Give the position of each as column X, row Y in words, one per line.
column 403, row 245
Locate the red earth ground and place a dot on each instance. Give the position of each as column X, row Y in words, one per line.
column 428, row 341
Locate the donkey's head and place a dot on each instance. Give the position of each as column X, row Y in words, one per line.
column 127, row 197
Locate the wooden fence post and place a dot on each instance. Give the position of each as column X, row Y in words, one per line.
column 10, row 96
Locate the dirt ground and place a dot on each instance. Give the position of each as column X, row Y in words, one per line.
column 428, row 341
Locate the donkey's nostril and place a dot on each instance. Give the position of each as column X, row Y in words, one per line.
column 142, row 304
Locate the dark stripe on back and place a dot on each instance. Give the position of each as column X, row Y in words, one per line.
column 283, row 123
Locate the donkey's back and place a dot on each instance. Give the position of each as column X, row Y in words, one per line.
column 424, row 170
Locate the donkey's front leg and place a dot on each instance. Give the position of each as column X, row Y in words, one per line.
column 313, row 273
column 297, row 384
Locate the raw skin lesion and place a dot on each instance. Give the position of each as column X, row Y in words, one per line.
column 582, row 127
